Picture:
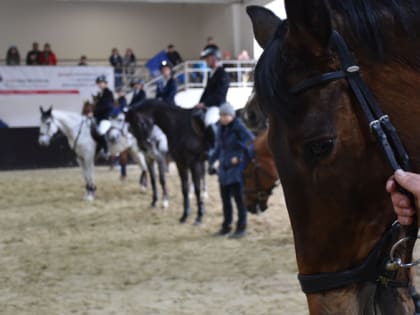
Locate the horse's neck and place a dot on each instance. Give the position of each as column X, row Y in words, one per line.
column 164, row 119
column 67, row 122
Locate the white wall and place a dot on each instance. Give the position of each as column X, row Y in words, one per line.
column 93, row 29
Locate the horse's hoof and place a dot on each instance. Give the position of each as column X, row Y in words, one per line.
column 143, row 189
column 89, row 197
column 198, row 222
column 153, row 204
column 205, row 195
column 165, row 204
column 183, row 219
column 123, row 178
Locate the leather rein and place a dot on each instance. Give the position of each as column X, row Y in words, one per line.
column 376, row 267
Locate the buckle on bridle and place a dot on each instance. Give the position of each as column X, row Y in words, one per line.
column 353, row 69
column 396, row 262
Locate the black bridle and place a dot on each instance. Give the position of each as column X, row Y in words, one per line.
column 373, row 268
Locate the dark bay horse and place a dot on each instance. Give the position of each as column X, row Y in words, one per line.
column 260, row 176
column 187, row 147
column 333, row 170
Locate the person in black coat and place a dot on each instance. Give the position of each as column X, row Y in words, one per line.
column 138, row 93
column 166, row 88
column 217, row 86
column 105, row 100
column 103, row 109
column 173, row 56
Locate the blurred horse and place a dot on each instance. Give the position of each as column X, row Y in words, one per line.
column 187, row 147
column 260, row 176
column 122, row 144
column 336, row 148
column 77, row 130
column 154, row 143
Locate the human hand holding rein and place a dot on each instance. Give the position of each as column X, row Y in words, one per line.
column 401, row 203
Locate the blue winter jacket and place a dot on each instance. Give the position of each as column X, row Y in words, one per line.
column 233, row 140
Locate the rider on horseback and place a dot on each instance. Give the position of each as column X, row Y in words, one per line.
column 215, row 92
column 103, row 108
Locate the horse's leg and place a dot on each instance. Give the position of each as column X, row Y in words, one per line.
column 162, row 178
column 123, row 158
column 183, row 175
column 88, row 174
column 196, row 172
column 143, row 166
column 204, row 180
column 151, row 168
column 138, row 157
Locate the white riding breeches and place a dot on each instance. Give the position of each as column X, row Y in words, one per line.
column 212, row 116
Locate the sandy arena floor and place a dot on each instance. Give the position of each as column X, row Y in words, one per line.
column 63, row 255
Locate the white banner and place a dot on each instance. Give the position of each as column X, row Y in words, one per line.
column 23, row 89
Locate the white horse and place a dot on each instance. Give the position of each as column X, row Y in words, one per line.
column 77, row 130
column 122, row 143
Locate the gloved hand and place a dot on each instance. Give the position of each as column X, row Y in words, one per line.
column 211, row 170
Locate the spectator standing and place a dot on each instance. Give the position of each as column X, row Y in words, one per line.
column 232, row 152
column 116, row 61
column 138, row 92
column 166, row 87
column 47, row 56
column 13, row 56
column 211, row 43
column 120, row 104
column 129, row 64
column 32, row 57
column 173, row 56
column 83, row 61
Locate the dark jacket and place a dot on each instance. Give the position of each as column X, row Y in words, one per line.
column 138, row 97
column 32, row 58
column 166, row 92
column 231, row 141
column 174, row 57
column 216, row 89
column 117, row 62
column 104, row 105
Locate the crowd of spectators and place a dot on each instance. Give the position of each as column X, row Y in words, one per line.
column 35, row 56
column 124, row 66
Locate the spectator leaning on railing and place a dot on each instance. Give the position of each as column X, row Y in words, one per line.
column 13, row 57
column 47, row 56
column 32, row 57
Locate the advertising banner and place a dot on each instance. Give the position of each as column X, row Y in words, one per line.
column 23, row 89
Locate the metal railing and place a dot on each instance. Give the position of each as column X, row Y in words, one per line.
column 195, row 74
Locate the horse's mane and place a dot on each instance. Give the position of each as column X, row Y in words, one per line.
column 152, row 103
column 369, row 20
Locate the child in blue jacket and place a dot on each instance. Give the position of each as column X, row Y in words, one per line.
column 232, row 151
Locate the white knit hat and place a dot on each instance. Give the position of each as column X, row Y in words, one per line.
column 227, row 109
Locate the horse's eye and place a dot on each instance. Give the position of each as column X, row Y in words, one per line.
column 316, row 150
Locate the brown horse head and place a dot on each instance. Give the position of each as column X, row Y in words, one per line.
column 260, row 176
column 88, row 108
column 332, row 170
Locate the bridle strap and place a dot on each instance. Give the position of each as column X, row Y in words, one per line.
column 368, row 270
column 392, row 147
column 379, row 123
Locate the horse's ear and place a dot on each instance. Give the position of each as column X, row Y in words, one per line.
column 49, row 111
column 41, row 109
column 309, row 24
column 264, row 24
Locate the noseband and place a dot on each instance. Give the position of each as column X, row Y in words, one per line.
column 261, row 192
column 376, row 267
